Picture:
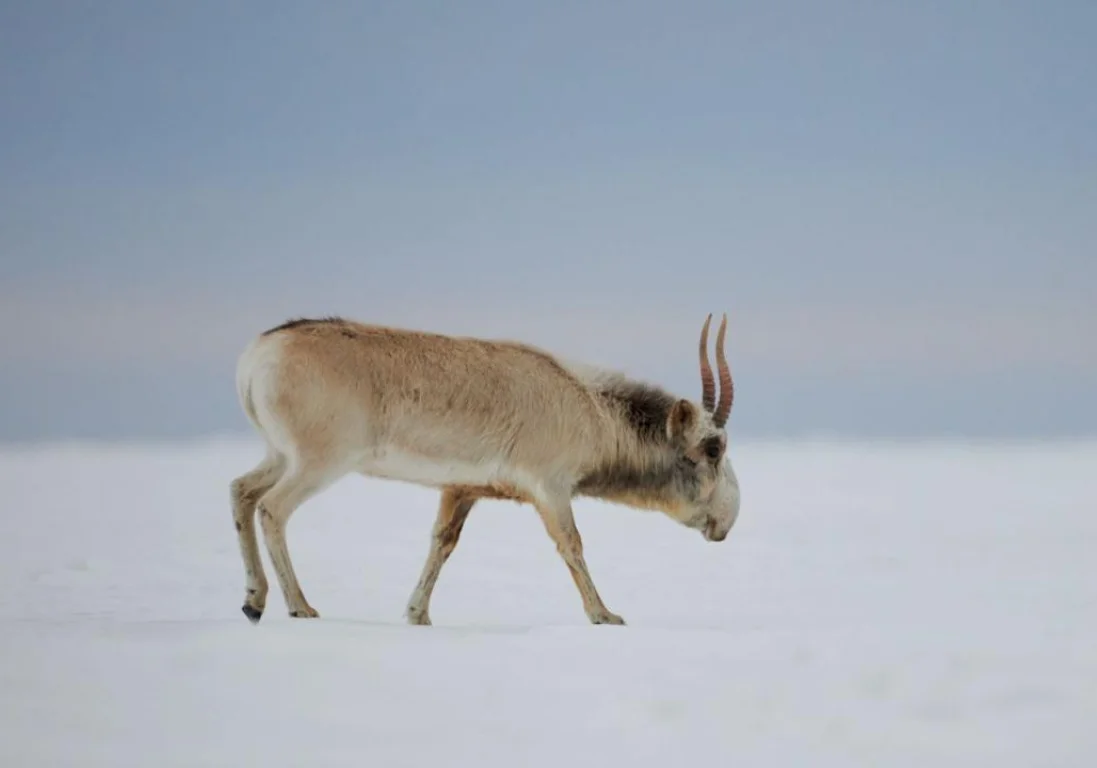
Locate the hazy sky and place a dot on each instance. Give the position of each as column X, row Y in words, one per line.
column 895, row 202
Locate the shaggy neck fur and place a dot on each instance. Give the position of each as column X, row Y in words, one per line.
column 644, row 469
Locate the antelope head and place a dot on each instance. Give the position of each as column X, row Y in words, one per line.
column 707, row 489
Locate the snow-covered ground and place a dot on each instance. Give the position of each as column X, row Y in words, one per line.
column 898, row 605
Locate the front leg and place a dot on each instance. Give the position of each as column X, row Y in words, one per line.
column 559, row 521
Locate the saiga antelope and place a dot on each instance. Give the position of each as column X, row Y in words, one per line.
column 477, row 419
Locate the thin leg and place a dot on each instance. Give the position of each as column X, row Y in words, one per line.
column 452, row 513
column 246, row 491
column 560, row 523
column 292, row 490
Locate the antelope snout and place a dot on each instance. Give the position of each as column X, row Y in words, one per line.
column 714, row 531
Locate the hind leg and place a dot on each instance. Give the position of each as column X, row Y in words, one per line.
column 246, row 491
column 452, row 513
column 296, row 486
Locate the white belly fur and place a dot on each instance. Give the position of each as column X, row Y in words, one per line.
column 396, row 465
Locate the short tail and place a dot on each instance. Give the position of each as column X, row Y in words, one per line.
column 243, row 389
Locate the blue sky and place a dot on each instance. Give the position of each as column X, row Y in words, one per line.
column 896, row 203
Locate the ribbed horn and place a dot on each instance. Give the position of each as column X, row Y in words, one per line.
column 708, row 385
column 727, row 388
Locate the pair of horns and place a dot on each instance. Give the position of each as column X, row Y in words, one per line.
column 708, row 386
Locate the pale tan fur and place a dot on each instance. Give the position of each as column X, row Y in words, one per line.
column 474, row 418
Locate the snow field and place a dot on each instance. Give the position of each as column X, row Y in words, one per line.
column 876, row 604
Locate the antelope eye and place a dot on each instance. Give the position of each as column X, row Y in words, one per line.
column 712, row 449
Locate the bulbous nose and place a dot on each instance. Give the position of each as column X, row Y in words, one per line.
column 715, row 532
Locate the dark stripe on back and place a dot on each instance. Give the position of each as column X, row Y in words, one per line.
column 301, row 322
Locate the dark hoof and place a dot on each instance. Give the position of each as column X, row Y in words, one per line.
column 608, row 618
column 253, row 614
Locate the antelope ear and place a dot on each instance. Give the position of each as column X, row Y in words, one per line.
column 681, row 419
